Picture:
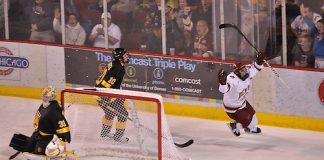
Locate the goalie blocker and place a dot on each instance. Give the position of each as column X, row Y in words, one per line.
column 19, row 142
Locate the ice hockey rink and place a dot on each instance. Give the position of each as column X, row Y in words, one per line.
column 213, row 140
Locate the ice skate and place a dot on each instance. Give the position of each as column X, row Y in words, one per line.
column 233, row 128
column 121, row 139
column 105, row 132
column 104, row 135
column 108, row 135
column 255, row 130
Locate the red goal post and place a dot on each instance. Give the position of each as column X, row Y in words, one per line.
column 139, row 103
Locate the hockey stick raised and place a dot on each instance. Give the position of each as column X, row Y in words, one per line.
column 228, row 25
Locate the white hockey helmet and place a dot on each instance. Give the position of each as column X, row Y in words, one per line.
column 48, row 94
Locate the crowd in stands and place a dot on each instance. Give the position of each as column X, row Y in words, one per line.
column 305, row 31
column 134, row 24
column 190, row 26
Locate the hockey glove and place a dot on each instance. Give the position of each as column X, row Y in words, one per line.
column 260, row 58
column 222, row 75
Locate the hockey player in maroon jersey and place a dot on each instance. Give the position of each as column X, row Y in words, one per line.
column 112, row 77
column 50, row 124
column 235, row 86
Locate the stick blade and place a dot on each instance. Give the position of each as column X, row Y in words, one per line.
column 183, row 145
column 225, row 25
column 14, row 155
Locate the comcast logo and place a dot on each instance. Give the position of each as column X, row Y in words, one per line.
column 186, row 80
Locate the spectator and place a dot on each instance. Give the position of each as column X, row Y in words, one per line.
column 139, row 15
column 71, row 8
column 204, row 11
column 302, row 52
column 41, row 15
column 98, row 35
column 292, row 10
column 89, row 14
column 191, row 14
column 181, row 14
column 321, row 5
column 147, row 25
column 187, row 29
column 152, row 27
column 318, row 46
column 153, row 14
column 99, row 5
column 316, row 5
column 154, row 39
column 74, row 32
column 172, row 29
column 303, row 25
column 203, row 40
column 125, row 6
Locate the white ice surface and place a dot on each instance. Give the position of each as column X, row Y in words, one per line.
column 213, row 139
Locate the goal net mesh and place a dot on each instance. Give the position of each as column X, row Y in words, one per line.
column 118, row 124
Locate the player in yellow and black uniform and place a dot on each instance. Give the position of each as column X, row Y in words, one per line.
column 49, row 120
column 112, row 77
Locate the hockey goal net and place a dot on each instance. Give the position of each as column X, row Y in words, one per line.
column 144, row 124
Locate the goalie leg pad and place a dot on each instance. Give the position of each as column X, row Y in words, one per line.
column 68, row 155
column 19, row 142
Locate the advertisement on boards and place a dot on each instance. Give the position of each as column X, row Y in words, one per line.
column 147, row 73
column 23, row 64
column 11, row 62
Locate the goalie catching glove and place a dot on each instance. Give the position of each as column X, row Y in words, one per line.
column 222, row 75
column 55, row 147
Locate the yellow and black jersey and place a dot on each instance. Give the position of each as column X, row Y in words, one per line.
column 50, row 120
column 112, row 76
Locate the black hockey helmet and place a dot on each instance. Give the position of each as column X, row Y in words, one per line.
column 118, row 53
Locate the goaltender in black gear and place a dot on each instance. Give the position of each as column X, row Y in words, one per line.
column 112, row 77
column 48, row 121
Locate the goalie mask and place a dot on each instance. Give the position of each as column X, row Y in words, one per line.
column 48, row 94
column 120, row 54
column 241, row 71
